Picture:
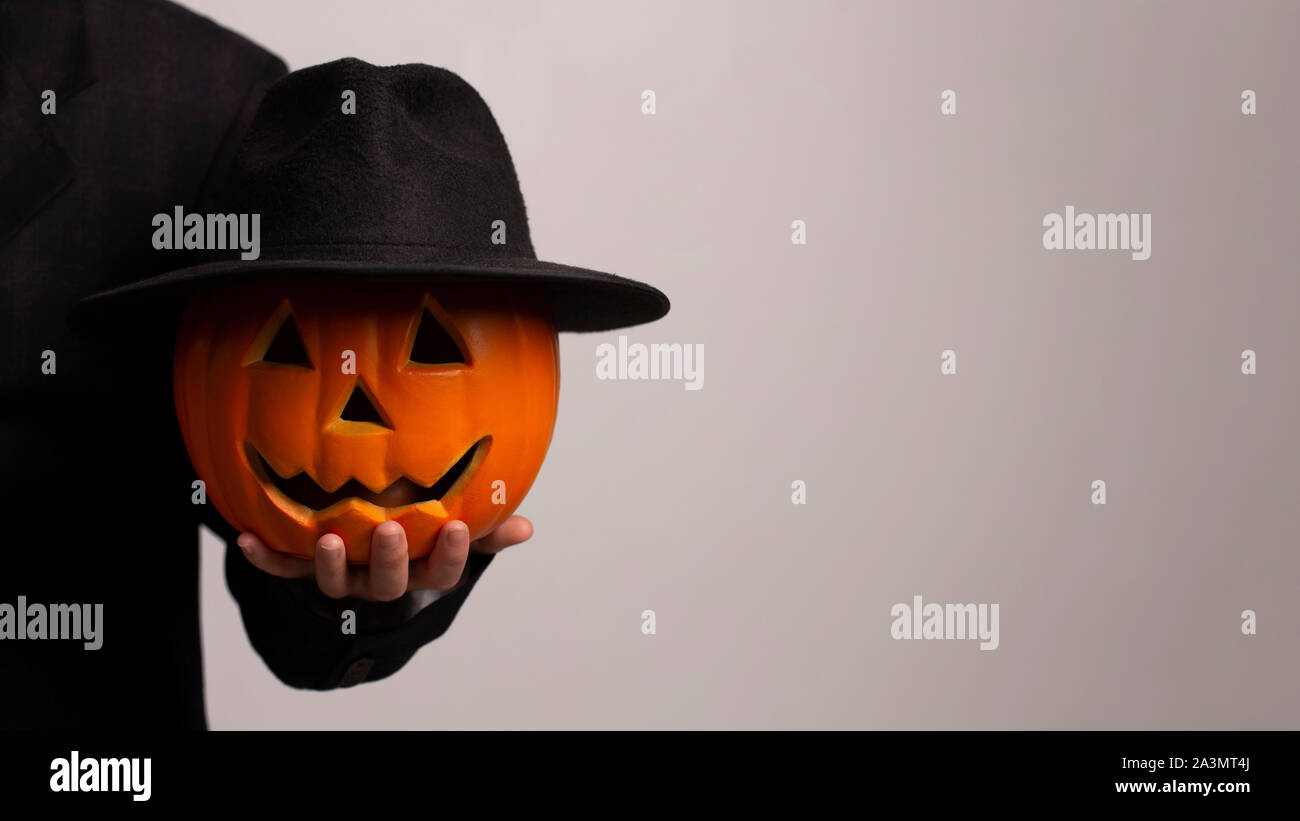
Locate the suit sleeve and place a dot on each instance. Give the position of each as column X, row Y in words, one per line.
column 300, row 633
column 297, row 630
column 219, row 167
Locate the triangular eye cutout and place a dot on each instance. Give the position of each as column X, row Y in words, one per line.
column 287, row 347
column 433, row 345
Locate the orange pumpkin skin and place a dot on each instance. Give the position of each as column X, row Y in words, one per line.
column 241, row 414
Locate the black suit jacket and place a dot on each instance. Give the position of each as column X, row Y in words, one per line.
column 95, row 490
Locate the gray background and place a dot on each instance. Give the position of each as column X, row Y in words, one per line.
column 822, row 364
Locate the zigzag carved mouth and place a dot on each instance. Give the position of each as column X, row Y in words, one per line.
column 304, row 490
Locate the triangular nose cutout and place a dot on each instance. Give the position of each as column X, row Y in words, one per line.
column 360, row 409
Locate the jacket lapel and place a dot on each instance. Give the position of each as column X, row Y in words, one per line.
column 42, row 46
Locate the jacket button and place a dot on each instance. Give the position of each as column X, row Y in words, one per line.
column 357, row 672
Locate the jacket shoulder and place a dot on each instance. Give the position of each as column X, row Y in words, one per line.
column 153, row 38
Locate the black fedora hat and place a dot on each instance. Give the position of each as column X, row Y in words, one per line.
column 417, row 183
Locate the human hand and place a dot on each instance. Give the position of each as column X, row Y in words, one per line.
column 391, row 572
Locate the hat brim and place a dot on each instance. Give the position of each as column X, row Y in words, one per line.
column 584, row 300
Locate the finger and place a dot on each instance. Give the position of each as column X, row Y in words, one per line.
column 271, row 561
column 446, row 562
column 332, row 566
column 388, row 562
column 511, row 532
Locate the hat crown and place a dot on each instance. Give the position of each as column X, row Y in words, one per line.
column 413, row 158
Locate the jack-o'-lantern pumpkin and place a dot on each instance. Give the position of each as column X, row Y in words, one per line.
column 314, row 407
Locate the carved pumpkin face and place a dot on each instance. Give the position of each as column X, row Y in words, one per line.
column 312, row 407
